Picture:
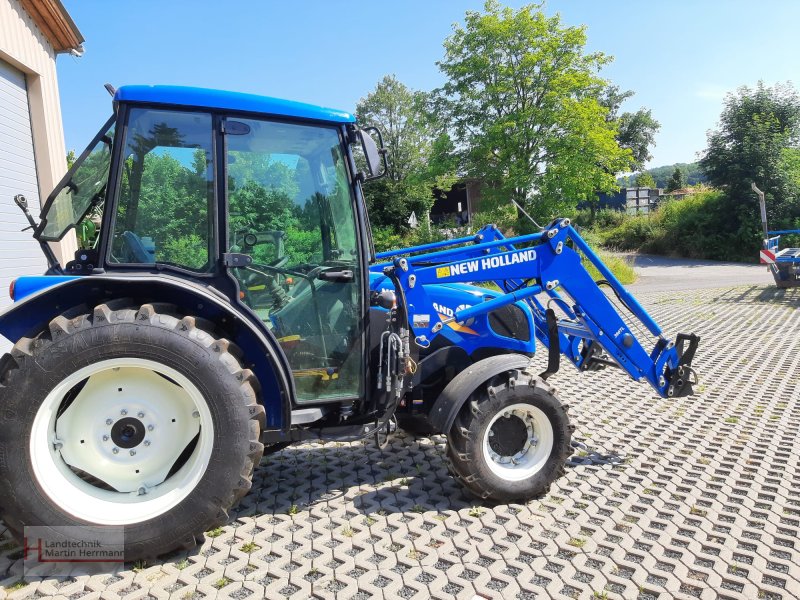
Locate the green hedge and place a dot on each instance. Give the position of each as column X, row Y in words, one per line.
column 699, row 226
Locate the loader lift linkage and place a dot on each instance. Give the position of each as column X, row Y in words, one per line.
column 590, row 323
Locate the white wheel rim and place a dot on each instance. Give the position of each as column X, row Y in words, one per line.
column 532, row 455
column 124, row 401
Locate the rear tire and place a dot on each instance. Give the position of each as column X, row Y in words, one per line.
column 130, row 417
column 511, row 439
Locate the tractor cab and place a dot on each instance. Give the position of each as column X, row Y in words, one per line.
column 256, row 198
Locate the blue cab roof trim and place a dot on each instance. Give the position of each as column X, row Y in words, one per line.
column 219, row 99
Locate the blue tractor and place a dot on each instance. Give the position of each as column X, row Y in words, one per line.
column 232, row 304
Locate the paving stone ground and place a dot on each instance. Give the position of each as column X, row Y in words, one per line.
column 697, row 497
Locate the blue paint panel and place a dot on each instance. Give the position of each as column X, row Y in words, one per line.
column 472, row 334
column 26, row 286
column 219, row 99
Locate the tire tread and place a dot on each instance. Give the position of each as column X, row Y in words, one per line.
column 123, row 310
column 462, row 437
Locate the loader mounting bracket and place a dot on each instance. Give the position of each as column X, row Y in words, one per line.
column 554, row 346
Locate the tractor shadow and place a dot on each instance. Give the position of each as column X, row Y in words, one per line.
column 408, row 474
column 787, row 297
column 333, row 481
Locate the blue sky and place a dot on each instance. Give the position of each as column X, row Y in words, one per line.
column 680, row 57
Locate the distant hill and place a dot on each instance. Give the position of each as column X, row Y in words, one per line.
column 662, row 174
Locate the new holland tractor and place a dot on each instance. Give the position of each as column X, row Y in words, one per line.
column 232, row 304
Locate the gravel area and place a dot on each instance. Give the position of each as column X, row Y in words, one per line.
column 697, row 497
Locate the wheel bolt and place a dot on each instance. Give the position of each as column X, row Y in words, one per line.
column 150, row 427
column 109, row 421
column 105, row 438
column 133, row 452
column 147, row 442
column 140, row 415
column 115, row 450
column 123, row 412
column 142, row 491
column 196, row 414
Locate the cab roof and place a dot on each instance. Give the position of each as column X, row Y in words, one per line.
column 219, row 99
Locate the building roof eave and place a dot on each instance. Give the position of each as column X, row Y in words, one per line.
column 55, row 23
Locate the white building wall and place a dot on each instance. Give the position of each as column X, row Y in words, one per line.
column 24, row 46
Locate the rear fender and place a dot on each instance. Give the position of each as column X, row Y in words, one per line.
column 450, row 401
column 71, row 296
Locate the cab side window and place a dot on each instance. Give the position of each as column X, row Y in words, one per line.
column 166, row 198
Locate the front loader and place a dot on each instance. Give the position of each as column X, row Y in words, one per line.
column 232, row 304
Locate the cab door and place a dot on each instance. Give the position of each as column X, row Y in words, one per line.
column 290, row 208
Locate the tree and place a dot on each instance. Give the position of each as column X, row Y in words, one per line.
column 756, row 128
column 399, row 113
column 521, row 98
column 677, row 181
column 691, row 171
column 635, row 130
column 644, row 179
column 419, row 153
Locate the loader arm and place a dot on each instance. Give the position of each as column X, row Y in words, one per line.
column 545, row 270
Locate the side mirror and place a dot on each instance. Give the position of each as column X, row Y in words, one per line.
column 375, row 156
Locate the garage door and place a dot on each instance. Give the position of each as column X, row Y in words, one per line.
column 19, row 253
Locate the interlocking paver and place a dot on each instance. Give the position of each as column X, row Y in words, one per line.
column 696, row 497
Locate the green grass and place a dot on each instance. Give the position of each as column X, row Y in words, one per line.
column 620, row 266
column 216, row 532
column 16, row 586
column 250, row 547
column 221, row 582
column 139, row 565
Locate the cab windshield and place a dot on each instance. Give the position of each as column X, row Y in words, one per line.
column 81, row 191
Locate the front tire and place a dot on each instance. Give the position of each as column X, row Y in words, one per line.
column 128, row 417
column 511, row 439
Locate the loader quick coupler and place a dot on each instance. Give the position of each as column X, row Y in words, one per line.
column 682, row 379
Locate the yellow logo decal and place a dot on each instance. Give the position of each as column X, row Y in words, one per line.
column 442, row 272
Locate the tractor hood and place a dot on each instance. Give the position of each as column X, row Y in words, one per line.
column 509, row 328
